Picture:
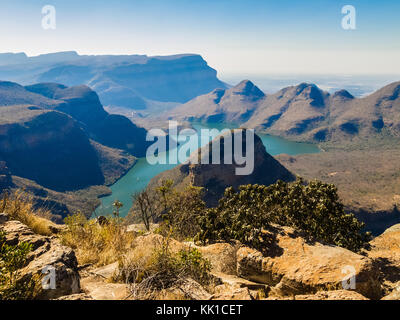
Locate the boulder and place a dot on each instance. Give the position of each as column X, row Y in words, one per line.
column 305, row 268
column 394, row 295
column 227, row 292
column 155, row 241
column 106, row 272
column 47, row 253
column 100, row 290
column 385, row 251
column 222, row 257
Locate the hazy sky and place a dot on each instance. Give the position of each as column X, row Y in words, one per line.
column 234, row 36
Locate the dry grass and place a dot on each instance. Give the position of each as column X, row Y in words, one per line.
column 20, row 206
column 161, row 272
column 96, row 244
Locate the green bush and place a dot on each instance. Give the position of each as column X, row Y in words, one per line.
column 314, row 209
column 13, row 258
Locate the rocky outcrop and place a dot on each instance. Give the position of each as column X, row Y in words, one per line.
column 222, row 257
column 325, row 295
column 385, row 251
column 215, row 178
column 47, row 254
column 304, row 268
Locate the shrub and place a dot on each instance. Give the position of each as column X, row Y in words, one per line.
column 177, row 210
column 20, row 206
column 313, row 209
column 13, row 258
column 95, row 243
column 150, row 274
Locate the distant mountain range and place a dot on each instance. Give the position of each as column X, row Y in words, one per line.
column 129, row 81
column 302, row 112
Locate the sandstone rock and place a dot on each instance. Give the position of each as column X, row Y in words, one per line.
column 385, row 250
column 222, row 257
column 236, row 282
column 106, row 272
column 303, row 268
column 394, row 295
column 193, row 290
column 64, row 262
column 227, row 292
column 154, row 241
column 46, row 252
column 77, row 296
column 100, row 290
column 332, row 295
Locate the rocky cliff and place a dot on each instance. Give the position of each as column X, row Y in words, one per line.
column 48, row 147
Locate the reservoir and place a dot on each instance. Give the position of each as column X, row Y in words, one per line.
column 142, row 172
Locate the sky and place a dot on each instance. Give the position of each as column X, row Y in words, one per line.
column 233, row 36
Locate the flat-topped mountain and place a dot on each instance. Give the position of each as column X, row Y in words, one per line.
column 129, row 81
column 215, row 178
column 302, row 112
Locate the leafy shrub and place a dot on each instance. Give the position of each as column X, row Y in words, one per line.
column 13, row 258
column 95, row 243
column 313, row 209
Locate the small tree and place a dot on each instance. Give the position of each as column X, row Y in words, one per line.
column 145, row 202
column 117, row 205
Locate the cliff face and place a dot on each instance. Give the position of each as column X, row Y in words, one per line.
column 83, row 104
column 215, row 178
column 48, row 147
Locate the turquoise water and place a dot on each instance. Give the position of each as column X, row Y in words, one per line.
column 142, row 172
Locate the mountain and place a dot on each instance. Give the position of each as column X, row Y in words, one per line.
column 48, row 147
column 83, row 105
column 234, row 105
column 215, row 178
column 59, row 145
column 129, row 81
column 302, row 112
